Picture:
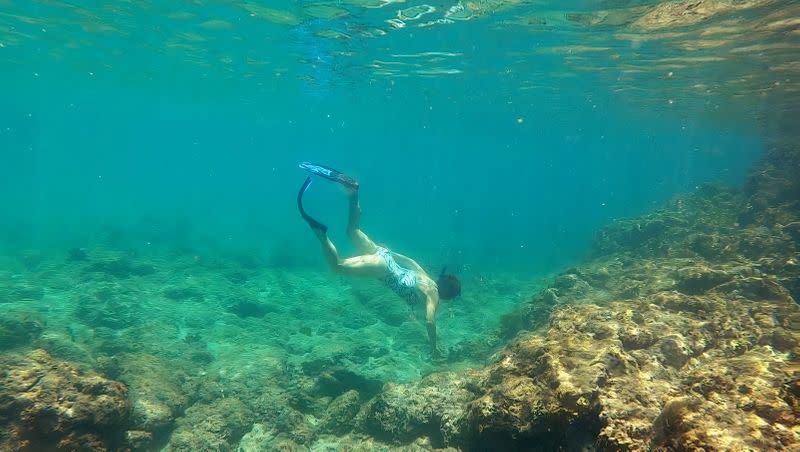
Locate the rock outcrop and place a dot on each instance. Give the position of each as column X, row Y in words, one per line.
column 47, row 404
column 682, row 332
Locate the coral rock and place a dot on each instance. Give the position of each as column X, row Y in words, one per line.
column 688, row 12
column 49, row 404
column 433, row 408
column 19, row 328
column 341, row 412
column 697, row 279
column 215, row 426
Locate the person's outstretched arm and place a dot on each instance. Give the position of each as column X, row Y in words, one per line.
column 431, row 304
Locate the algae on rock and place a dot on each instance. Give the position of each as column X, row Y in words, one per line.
column 47, row 404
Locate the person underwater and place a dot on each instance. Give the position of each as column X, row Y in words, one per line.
column 403, row 275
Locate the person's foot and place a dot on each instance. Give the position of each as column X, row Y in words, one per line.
column 437, row 356
column 350, row 184
column 316, row 226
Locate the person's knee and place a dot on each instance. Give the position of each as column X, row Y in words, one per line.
column 355, row 235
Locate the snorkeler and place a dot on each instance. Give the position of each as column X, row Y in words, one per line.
column 402, row 274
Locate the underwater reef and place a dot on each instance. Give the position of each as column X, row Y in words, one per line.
column 680, row 331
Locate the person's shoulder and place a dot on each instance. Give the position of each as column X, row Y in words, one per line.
column 428, row 287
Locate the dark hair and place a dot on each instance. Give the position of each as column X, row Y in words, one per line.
column 449, row 286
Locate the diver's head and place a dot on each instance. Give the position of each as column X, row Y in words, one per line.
column 449, row 286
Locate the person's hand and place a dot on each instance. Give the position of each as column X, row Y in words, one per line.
column 437, row 356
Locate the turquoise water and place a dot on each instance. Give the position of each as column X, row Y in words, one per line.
column 494, row 138
column 198, row 114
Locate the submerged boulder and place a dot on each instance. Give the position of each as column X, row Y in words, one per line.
column 159, row 392
column 341, row 412
column 19, row 328
column 47, row 404
column 696, row 279
column 215, row 426
column 433, row 409
column 646, row 374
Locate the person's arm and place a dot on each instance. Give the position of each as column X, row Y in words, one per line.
column 431, row 304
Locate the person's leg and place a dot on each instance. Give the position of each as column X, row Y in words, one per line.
column 368, row 265
column 360, row 240
column 328, row 248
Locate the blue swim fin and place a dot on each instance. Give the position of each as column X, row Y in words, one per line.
column 331, row 174
column 309, row 219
